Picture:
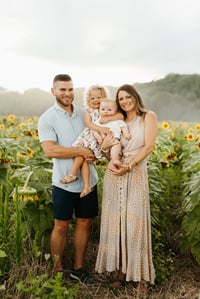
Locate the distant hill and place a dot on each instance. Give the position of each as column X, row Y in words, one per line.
column 176, row 97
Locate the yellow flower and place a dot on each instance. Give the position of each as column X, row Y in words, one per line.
column 190, row 130
column 2, row 127
column 27, row 133
column 197, row 127
column 165, row 125
column 171, row 156
column 30, row 120
column 22, row 125
column 190, row 136
column 20, row 154
column 25, row 194
column 35, row 136
column 13, row 137
column 171, row 136
column 11, row 117
column 164, row 164
column 30, row 152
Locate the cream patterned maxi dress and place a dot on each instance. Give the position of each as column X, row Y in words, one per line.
column 125, row 234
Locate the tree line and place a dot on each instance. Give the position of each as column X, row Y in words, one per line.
column 175, row 97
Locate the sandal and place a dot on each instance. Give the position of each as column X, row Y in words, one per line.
column 69, row 179
column 86, row 191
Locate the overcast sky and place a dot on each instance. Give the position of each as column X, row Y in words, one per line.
column 97, row 41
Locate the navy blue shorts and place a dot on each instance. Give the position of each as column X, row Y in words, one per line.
column 68, row 204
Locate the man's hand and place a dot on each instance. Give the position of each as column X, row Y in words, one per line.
column 87, row 154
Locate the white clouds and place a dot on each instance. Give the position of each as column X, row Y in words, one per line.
column 141, row 38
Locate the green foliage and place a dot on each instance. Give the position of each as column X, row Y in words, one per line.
column 26, row 215
column 18, row 231
column 191, row 203
column 44, row 287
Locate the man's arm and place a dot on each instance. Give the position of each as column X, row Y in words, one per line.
column 54, row 150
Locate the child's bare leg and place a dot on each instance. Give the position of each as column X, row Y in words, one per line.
column 85, row 172
column 115, row 156
column 98, row 137
column 73, row 174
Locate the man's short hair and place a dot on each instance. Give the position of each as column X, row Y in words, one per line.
column 62, row 77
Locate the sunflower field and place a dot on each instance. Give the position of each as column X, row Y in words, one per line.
column 26, row 217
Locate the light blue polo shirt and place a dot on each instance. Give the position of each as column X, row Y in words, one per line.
column 56, row 125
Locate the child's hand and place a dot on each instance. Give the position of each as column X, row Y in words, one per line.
column 104, row 130
column 127, row 136
column 104, row 120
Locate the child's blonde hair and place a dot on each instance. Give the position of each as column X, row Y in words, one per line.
column 103, row 90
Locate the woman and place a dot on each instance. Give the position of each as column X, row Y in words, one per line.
column 125, row 236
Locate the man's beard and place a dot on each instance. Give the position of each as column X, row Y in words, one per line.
column 63, row 103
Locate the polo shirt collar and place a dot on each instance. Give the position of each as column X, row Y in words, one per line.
column 57, row 107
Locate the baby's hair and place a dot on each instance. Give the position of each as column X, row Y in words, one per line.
column 109, row 100
column 103, row 90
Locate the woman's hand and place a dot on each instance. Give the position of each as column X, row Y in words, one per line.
column 109, row 141
column 120, row 170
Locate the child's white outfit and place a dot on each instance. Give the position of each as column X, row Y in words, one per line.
column 115, row 126
column 87, row 139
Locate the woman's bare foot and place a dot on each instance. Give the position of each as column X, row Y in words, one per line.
column 141, row 287
column 119, row 280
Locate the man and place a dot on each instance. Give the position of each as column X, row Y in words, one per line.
column 58, row 127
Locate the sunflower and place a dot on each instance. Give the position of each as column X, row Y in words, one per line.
column 11, row 117
column 171, row 136
column 13, row 137
column 190, row 136
column 22, row 125
column 197, row 127
column 30, row 120
column 165, row 125
column 30, row 152
column 27, row 133
column 2, row 127
column 23, row 155
column 176, row 146
column 25, row 194
column 190, row 130
column 171, row 156
column 27, row 155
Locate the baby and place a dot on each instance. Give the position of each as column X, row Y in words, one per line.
column 108, row 108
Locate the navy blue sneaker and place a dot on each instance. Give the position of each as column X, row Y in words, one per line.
column 82, row 276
